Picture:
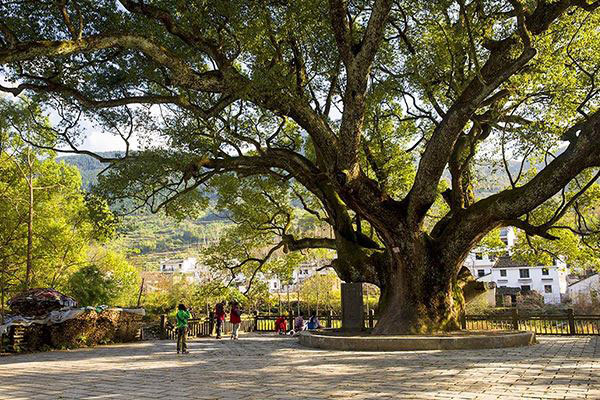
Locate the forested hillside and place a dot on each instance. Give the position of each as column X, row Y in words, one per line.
column 147, row 238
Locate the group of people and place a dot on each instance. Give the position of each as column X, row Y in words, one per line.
column 300, row 324
column 235, row 317
column 184, row 314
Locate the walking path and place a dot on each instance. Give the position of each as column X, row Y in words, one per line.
column 273, row 367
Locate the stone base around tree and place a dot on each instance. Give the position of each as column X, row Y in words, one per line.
column 471, row 340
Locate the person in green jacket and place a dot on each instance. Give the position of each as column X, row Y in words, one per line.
column 182, row 324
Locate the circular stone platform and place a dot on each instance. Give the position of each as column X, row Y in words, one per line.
column 460, row 341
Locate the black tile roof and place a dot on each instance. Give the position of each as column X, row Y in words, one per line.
column 508, row 262
column 505, row 291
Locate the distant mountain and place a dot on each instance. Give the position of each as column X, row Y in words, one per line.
column 491, row 176
column 88, row 166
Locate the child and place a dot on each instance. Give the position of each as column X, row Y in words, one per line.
column 280, row 325
column 313, row 322
column 182, row 324
column 299, row 324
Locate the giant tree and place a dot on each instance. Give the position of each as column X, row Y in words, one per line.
column 333, row 96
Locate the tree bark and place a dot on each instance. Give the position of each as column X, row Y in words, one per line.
column 420, row 294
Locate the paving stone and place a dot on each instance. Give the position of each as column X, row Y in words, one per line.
column 276, row 367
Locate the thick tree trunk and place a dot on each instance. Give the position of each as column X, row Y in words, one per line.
column 419, row 295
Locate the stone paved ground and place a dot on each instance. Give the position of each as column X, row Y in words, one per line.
column 271, row 367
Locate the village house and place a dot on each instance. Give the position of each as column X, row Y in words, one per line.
column 585, row 290
column 511, row 276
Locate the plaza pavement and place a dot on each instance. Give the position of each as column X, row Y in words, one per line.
column 273, row 367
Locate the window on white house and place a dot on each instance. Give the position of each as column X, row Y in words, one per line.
column 548, row 288
column 478, row 256
column 480, row 272
column 524, row 273
column 545, row 271
column 502, row 272
column 505, row 241
column 525, row 288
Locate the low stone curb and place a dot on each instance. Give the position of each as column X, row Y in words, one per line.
column 412, row 343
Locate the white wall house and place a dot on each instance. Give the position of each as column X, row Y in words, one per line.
column 180, row 265
column 584, row 289
column 550, row 281
column 299, row 275
column 194, row 271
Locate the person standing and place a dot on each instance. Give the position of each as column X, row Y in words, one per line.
column 220, row 317
column 235, row 317
column 182, row 317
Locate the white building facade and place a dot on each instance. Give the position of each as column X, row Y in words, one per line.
column 179, row 265
column 299, row 275
column 194, row 271
column 585, row 289
column 549, row 281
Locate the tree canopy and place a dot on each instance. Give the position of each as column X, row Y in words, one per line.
column 360, row 106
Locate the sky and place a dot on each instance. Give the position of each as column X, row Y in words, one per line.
column 95, row 140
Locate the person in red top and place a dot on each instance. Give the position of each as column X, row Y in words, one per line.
column 281, row 325
column 235, row 319
column 220, row 317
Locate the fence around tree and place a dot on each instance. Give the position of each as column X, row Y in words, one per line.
column 565, row 323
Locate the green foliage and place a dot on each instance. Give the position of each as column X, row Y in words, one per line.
column 256, row 100
column 91, row 287
column 65, row 221
column 577, row 238
column 321, row 293
column 491, row 244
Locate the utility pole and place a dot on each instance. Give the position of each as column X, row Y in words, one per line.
column 279, row 298
column 140, row 294
column 288, row 298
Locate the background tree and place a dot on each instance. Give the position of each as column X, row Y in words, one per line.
column 333, row 96
column 321, row 293
column 108, row 280
column 47, row 222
